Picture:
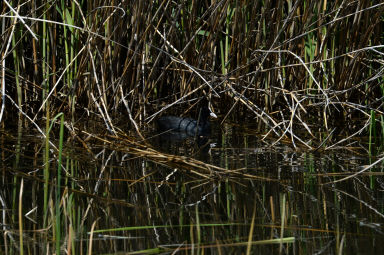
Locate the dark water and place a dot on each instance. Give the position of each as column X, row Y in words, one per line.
column 289, row 194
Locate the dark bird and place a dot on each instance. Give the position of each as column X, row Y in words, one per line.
column 189, row 126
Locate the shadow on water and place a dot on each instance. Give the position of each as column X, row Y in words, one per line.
column 137, row 203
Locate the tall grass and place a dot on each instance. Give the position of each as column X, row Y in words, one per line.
column 302, row 70
column 301, row 58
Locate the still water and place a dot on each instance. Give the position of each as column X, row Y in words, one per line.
column 221, row 195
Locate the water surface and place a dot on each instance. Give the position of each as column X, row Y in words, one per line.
column 138, row 202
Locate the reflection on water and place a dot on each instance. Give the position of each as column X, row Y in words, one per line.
column 180, row 143
column 290, row 195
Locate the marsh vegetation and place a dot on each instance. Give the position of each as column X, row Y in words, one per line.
column 294, row 161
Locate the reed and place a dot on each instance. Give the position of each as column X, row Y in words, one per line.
column 58, row 185
column 20, row 213
column 283, row 220
column 372, row 134
column 46, row 160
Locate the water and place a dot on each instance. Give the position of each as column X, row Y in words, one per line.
column 190, row 196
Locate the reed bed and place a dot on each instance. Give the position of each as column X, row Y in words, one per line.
column 306, row 73
column 313, row 66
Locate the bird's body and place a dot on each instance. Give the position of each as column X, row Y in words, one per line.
column 189, row 126
column 183, row 124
